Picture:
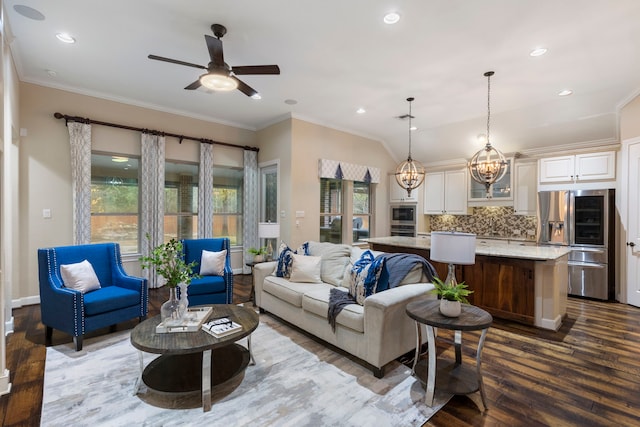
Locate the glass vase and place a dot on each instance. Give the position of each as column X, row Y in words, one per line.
column 184, row 300
column 170, row 310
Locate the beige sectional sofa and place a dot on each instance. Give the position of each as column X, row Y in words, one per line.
column 376, row 332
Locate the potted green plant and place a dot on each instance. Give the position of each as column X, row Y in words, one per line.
column 258, row 253
column 451, row 296
column 168, row 261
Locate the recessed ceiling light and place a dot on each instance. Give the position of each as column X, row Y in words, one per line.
column 28, row 12
column 413, row 128
column 538, row 51
column 361, row 110
column 391, row 18
column 65, row 38
column 565, row 92
column 256, row 96
column 290, row 101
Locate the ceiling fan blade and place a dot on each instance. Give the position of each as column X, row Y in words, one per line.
column 194, row 85
column 175, row 61
column 244, row 88
column 256, row 69
column 215, row 50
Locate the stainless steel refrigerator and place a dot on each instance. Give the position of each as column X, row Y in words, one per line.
column 584, row 221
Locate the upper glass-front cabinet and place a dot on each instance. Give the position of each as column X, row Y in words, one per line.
column 501, row 190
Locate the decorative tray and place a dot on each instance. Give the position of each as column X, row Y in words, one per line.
column 191, row 322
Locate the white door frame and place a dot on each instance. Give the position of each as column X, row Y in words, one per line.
column 630, row 219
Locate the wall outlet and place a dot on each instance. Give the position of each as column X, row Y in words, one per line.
column 515, row 232
column 46, row 213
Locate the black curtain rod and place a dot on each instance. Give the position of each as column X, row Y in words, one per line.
column 153, row 132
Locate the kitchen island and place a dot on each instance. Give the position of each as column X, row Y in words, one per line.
column 527, row 284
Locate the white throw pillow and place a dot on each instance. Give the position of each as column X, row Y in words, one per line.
column 306, row 269
column 212, row 263
column 80, row 276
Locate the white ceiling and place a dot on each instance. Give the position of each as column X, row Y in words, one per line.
column 336, row 56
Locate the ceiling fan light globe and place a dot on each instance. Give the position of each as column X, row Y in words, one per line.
column 218, row 82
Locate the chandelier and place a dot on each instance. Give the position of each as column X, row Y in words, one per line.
column 488, row 165
column 410, row 173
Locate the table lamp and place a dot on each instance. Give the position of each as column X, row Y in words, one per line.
column 453, row 248
column 268, row 231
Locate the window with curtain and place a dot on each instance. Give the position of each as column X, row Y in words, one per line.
column 227, row 203
column 180, row 201
column 331, row 210
column 361, row 210
column 115, row 201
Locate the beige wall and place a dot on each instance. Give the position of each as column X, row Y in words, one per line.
column 630, row 119
column 45, row 167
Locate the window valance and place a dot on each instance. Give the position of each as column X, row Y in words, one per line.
column 342, row 170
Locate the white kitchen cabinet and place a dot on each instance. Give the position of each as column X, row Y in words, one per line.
column 525, row 195
column 580, row 167
column 398, row 194
column 446, row 192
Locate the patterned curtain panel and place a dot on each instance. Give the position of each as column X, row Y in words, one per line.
column 351, row 172
column 250, row 204
column 80, row 142
column 152, row 199
column 205, row 192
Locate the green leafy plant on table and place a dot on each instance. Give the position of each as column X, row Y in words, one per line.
column 169, row 263
column 457, row 292
column 257, row 251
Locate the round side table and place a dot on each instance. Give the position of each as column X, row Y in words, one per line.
column 453, row 377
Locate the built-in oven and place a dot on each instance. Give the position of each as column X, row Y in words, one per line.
column 403, row 220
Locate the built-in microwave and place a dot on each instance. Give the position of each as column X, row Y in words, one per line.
column 403, row 214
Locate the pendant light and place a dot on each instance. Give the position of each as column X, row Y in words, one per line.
column 410, row 173
column 488, row 165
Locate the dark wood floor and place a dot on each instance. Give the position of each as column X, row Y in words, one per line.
column 586, row 374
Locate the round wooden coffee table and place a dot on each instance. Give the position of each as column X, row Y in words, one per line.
column 187, row 357
column 454, row 377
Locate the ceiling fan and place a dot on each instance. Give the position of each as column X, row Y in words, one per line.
column 220, row 76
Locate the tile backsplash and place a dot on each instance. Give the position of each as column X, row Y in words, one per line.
column 488, row 221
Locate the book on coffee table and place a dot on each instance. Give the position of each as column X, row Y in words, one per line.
column 221, row 327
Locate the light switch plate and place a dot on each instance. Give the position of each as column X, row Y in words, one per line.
column 299, row 214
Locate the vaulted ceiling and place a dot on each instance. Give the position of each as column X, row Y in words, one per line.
column 337, row 56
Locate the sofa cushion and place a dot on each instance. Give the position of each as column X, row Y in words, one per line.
column 334, row 258
column 212, row 263
column 285, row 258
column 317, row 302
column 305, row 269
column 290, row 292
column 79, row 276
column 364, row 276
column 109, row 298
column 207, row 285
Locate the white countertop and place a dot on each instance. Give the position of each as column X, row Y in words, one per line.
column 491, row 248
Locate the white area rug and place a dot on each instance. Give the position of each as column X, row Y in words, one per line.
column 295, row 382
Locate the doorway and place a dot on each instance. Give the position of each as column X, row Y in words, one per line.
column 632, row 164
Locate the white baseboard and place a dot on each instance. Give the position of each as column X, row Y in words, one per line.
column 21, row 302
column 5, row 385
column 8, row 327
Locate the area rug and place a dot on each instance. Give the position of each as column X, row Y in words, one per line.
column 296, row 382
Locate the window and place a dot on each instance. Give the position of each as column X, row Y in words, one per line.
column 227, row 203
column 361, row 210
column 180, row 201
column 331, row 210
column 115, row 201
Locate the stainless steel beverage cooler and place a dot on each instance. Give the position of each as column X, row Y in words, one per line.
column 582, row 220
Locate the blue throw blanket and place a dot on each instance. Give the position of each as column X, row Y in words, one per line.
column 398, row 265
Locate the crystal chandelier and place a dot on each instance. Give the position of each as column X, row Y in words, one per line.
column 410, row 173
column 488, row 165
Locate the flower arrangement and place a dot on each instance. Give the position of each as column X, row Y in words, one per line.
column 169, row 263
column 456, row 292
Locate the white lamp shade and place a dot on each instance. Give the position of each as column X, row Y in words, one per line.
column 453, row 248
column 268, row 230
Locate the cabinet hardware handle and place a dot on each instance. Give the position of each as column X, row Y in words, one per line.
column 631, row 244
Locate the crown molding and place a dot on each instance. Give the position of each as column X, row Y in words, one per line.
column 577, row 147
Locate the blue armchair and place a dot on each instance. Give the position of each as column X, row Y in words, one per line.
column 120, row 297
column 209, row 289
